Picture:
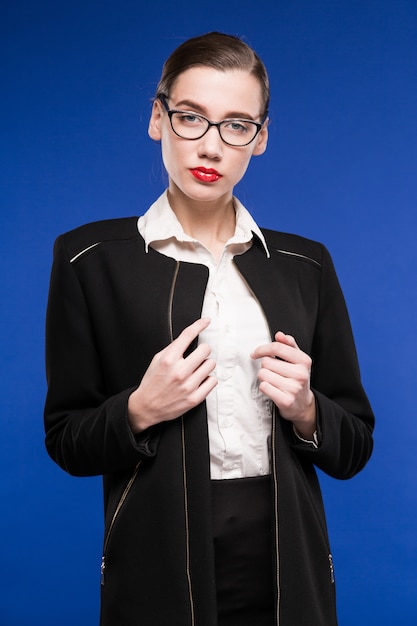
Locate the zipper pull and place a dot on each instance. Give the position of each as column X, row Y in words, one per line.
column 331, row 568
column 102, row 569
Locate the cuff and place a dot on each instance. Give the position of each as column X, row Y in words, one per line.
column 314, row 441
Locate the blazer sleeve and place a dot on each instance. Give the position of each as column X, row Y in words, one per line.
column 345, row 417
column 87, row 432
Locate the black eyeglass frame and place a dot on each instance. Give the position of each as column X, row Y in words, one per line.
column 163, row 99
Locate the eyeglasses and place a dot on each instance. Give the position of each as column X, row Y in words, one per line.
column 189, row 125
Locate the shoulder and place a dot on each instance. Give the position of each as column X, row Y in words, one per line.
column 295, row 246
column 80, row 239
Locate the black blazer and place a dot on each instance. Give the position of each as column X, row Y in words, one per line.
column 111, row 307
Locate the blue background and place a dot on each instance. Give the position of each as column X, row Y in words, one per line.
column 76, row 81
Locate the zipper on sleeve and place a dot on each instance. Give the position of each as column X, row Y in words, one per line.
column 113, row 520
column 331, row 566
column 102, row 569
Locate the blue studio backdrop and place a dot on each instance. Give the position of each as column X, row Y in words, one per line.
column 76, row 82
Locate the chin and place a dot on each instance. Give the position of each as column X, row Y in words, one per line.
column 202, row 192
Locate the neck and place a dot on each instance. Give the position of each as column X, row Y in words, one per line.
column 212, row 223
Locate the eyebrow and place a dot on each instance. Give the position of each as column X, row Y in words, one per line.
column 193, row 106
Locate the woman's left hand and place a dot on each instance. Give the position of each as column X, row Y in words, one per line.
column 285, row 378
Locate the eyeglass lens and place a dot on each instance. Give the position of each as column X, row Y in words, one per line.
column 192, row 126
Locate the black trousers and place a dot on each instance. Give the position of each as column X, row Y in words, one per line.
column 243, row 551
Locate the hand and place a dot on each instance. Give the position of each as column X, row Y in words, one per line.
column 173, row 384
column 285, row 378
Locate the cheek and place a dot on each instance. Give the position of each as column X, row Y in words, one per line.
column 241, row 165
column 171, row 156
column 176, row 160
column 174, row 147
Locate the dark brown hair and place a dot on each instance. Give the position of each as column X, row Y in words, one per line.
column 219, row 51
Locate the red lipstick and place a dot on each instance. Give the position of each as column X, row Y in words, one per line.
column 205, row 175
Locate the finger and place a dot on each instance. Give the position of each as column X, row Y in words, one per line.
column 276, row 350
column 195, row 359
column 196, row 387
column 281, row 367
column 187, row 336
column 276, row 394
column 206, row 386
column 285, row 380
column 271, row 348
column 284, row 348
column 202, row 391
column 199, row 378
column 281, row 337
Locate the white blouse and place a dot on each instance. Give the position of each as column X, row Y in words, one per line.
column 239, row 415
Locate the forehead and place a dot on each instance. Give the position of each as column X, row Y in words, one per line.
column 218, row 92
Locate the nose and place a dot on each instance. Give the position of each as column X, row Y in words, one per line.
column 211, row 144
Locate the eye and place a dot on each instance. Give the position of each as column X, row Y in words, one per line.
column 238, row 127
column 190, row 119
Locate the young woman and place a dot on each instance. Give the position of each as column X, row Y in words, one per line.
column 204, row 366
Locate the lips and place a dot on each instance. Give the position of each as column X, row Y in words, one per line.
column 205, row 175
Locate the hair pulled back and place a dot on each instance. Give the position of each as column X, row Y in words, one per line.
column 219, row 51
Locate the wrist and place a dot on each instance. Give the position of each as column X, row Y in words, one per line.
column 305, row 429
column 306, row 424
column 137, row 422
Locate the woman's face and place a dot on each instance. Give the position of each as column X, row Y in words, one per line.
column 207, row 169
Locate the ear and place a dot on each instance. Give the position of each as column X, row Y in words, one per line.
column 261, row 140
column 154, row 128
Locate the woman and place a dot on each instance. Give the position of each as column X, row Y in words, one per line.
column 204, row 366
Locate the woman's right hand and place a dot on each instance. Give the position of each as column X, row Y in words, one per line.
column 173, row 384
